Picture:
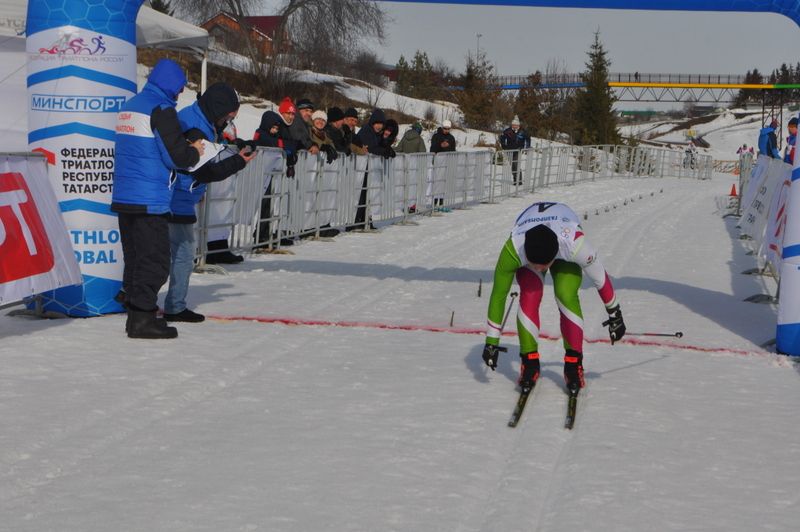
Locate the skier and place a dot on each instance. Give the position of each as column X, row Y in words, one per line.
column 548, row 236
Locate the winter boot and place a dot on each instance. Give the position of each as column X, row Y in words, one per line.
column 573, row 370
column 529, row 370
column 144, row 324
column 221, row 254
column 185, row 315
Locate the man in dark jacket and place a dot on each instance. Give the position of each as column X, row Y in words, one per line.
column 205, row 119
column 150, row 147
column 443, row 140
column 301, row 124
column 334, row 130
column 514, row 139
column 371, row 138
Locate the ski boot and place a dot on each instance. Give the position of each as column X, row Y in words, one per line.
column 573, row 371
column 529, row 370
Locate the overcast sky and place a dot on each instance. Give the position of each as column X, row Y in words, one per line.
column 520, row 40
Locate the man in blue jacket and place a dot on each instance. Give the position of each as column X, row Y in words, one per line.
column 768, row 140
column 205, row 119
column 150, row 147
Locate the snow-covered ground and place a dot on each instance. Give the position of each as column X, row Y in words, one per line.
column 389, row 420
column 328, row 390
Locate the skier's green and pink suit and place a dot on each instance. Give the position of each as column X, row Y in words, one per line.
column 574, row 257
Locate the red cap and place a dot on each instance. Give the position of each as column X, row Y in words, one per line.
column 287, row 106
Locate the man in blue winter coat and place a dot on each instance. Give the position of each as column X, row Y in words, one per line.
column 768, row 140
column 150, row 147
column 205, row 119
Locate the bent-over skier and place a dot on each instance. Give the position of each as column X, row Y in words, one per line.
column 548, row 236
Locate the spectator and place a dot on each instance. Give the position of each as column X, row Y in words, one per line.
column 514, row 138
column 744, row 149
column 319, row 119
column 350, row 128
column 443, row 140
column 274, row 132
column 335, row 130
column 412, row 141
column 299, row 128
column 768, row 141
column 369, row 138
column 790, row 141
column 204, row 119
column 144, row 163
column 388, row 136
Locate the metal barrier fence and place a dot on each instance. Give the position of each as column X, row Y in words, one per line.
column 262, row 207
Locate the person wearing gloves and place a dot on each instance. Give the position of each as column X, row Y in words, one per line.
column 149, row 148
column 546, row 237
column 320, row 138
column 203, row 120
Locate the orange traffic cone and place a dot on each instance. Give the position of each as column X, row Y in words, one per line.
column 733, row 190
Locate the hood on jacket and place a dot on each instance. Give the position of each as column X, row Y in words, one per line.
column 377, row 117
column 269, row 119
column 218, row 101
column 168, row 76
column 394, row 128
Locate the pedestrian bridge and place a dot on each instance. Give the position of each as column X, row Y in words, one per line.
column 650, row 87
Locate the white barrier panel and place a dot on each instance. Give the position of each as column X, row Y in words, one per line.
column 81, row 69
column 788, row 331
column 35, row 250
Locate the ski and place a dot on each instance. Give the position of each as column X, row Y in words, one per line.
column 572, row 407
column 517, row 414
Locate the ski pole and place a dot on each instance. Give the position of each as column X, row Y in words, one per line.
column 503, row 325
column 678, row 334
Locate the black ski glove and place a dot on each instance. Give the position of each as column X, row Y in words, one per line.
column 389, row 153
column 616, row 327
column 490, row 353
column 330, row 152
column 291, row 159
column 290, row 171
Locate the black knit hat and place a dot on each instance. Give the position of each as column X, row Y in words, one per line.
column 793, row 122
column 335, row 114
column 541, row 245
column 350, row 112
column 218, row 100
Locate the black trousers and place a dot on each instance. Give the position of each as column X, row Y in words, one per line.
column 145, row 248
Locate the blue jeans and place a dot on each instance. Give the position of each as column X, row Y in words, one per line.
column 181, row 243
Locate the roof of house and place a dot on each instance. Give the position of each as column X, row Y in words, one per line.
column 266, row 24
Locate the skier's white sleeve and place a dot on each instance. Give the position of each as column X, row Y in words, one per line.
column 586, row 257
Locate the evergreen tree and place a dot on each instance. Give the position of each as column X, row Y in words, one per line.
column 477, row 98
column 403, row 76
column 162, row 6
column 596, row 122
column 528, row 105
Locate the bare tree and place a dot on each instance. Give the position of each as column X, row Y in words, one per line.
column 331, row 32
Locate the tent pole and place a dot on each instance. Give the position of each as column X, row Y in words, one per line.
column 204, row 72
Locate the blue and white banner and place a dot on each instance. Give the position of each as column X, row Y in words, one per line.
column 788, row 335
column 81, row 69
